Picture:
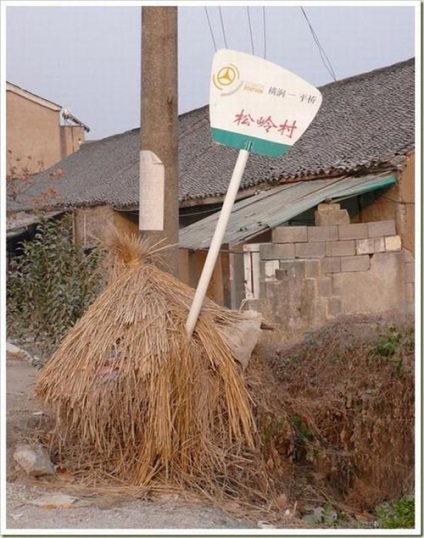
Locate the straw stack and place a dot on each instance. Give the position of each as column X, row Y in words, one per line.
column 133, row 398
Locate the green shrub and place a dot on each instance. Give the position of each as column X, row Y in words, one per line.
column 399, row 514
column 50, row 285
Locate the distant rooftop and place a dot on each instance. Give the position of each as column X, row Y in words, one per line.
column 32, row 96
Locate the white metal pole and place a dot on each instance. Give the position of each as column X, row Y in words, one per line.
column 215, row 246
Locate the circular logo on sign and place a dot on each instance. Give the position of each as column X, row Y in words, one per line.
column 226, row 75
column 226, row 78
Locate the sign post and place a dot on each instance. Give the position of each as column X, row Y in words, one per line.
column 258, row 107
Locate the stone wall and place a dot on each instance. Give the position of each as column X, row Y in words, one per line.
column 311, row 274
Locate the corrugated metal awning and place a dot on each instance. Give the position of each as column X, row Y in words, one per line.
column 272, row 208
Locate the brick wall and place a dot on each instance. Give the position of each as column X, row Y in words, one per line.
column 311, row 274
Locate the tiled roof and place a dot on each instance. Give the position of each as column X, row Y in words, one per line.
column 365, row 123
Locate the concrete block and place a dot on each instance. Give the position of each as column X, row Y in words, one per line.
column 290, row 234
column 263, row 290
column 324, row 286
column 320, row 311
column 340, row 248
column 326, row 207
column 334, row 306
column 381, row 228
column 331, row 265
column 409, row 273
column 270, row 292
column 312, row 268
column 291, row 270
column 308, row 297
column 370, row 246
column 268, row 251
column 322, row 233
column 353, row 231
column 380, row 289
column 355, row 263
column 332, row 218
column 393, row 243
column 270, row 268
column 281, row 274
column 336, row 285
column 309, row 250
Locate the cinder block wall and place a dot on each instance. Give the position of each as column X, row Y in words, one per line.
column 311, row 274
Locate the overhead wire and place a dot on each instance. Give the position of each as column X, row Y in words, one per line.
column 250, row 30
column 222, row 26
column 210, row 29
column 325, row 59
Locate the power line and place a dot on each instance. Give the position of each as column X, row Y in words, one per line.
column 222, row 26
column 264, row 22
column 250, row 30
column 397, row 201
column 324, row 57
column 210, row 28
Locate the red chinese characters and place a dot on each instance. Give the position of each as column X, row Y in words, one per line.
column 287, row 129
column 243, row 119
column 267, row 123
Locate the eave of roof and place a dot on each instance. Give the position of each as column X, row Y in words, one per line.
column 19, row 223
column 33, row 97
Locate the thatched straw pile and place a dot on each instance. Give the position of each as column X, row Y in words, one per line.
column 134, row 399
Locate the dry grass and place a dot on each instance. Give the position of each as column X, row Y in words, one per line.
column 135, row 400
column 348, row 398
column 139, row 408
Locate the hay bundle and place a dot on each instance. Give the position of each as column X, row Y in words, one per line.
column 133, row 398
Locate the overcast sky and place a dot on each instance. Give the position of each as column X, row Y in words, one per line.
column 88, row 58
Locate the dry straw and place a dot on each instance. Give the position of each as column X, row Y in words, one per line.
column 135, row 400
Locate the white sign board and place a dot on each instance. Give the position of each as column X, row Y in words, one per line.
column 253, row 100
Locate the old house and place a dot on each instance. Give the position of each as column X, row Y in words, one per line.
column 35, row 137
column 332, row 231
column 327, row 228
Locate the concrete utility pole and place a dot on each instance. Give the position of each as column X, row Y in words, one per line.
column 159, row 130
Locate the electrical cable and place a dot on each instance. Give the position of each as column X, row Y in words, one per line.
column 210, row 28
column 250, row 30
column 323, row 54
column 223, row 29
column 264, row 23
column 397, row 201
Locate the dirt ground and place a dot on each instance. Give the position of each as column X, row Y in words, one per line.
column 104, row 513
column 99, row 512
column 365, row 377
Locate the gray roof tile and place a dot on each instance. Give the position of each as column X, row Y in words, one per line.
column 365, row 122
